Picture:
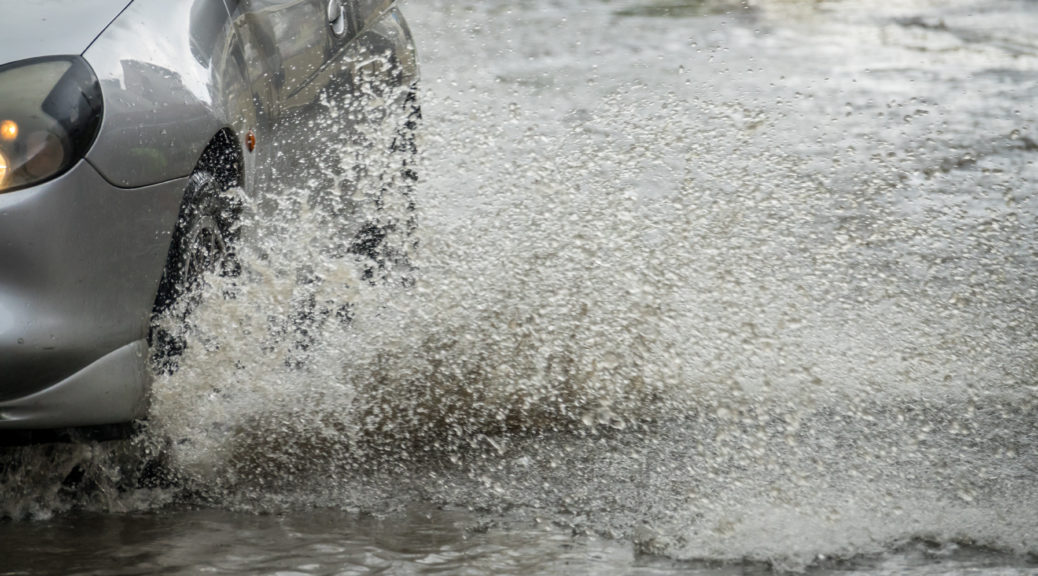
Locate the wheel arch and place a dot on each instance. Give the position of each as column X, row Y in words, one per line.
column 224, row 158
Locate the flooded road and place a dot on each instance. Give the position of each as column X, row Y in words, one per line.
column 704, row 288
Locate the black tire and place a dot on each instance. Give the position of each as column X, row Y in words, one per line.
column 203, row 241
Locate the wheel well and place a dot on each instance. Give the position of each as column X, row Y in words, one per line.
column 223, row 158
column 222, row 162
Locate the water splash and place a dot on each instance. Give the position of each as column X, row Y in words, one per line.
column 648, row 307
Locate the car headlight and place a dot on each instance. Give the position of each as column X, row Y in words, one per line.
column 50, row 112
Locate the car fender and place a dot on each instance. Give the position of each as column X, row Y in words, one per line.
column 171, row 79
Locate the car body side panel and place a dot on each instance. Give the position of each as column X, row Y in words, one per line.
column 367, row 12
column 171, row 80
column 297, row 129
column 274, row 33
column 389, row 35
column 81, row 263
column 379, row 71
column 285, row 42
column 111, row 390
column 54, row 28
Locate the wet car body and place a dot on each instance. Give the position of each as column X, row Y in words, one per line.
column 175, row 87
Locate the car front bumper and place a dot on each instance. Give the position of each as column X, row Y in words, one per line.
column 80, row 261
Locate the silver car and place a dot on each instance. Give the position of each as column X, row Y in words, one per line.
column 124, row 125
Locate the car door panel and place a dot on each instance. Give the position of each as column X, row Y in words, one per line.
column 367, row 12
column 285, row 43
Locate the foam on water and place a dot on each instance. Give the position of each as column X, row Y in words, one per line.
column 642, row 308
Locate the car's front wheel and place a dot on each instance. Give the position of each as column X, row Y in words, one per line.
column 202, row 242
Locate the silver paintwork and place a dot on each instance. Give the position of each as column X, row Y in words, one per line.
column 169, row 83
column 52, row 27
column 79, row 263
column 81, row 256
column 104, row 392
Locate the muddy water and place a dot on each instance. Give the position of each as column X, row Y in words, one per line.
column 704, row 287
